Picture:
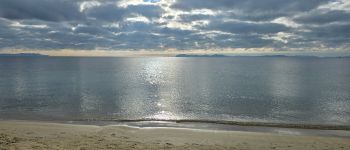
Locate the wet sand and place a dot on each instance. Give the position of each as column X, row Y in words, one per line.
column 42, row 135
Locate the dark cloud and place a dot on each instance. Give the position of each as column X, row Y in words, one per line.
column 107, row 12
column 324, row 17
column 252, row 41
column 49, row 10
column 250, row 5
column 194, row 17
column 240, row 41
column 246, row 28
column 330, row 34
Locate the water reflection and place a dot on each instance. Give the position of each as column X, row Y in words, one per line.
column 240, row 89
column 284, row 86
column 159, row 79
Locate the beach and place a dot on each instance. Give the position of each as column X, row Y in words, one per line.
column 46, row 135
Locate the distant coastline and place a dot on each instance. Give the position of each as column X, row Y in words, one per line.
column 274, row 56
column 24, row 55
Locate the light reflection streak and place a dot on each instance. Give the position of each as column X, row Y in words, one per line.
column 161, row 74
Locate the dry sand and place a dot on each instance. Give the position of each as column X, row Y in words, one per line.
column 38, row 135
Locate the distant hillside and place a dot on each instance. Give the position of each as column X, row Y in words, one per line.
column 23, row 55
column 298, row 56
column 272, row 56
column 287, row 56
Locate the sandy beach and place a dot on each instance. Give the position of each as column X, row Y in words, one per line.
column 42, row 135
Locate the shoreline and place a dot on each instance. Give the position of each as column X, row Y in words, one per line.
column 254, row 127
column 274, row 124
column 246, row 123
column 46, row 135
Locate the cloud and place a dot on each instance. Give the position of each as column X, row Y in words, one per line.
column 324, row 17
column 246, row 28
column 263, row 5
column 107, row 12
column 330, row 35
column 149, row 11
column 48, row 10
column 253, row 9
column 181, row 24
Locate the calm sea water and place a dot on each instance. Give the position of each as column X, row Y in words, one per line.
column 258, row 89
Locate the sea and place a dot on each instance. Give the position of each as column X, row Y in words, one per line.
column 286, row 90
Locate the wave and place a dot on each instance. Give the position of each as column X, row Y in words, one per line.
column 236, row 123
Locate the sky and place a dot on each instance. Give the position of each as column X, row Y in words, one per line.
column 175, row 26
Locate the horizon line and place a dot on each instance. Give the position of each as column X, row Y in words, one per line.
column 172, row 53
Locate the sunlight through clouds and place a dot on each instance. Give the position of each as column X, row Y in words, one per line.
column 159, row 25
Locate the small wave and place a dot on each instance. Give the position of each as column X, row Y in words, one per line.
column 236, row 123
